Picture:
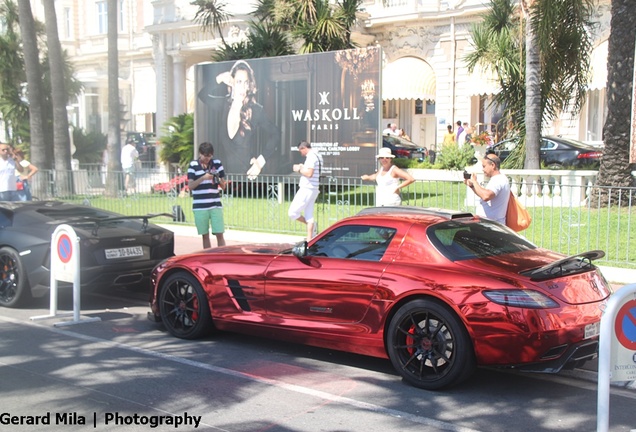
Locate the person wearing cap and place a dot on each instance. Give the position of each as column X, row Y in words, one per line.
column 390, row 180
column 129, row 157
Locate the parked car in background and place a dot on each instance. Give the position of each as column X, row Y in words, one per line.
column 558, row 153
column 437, row 292
column 146, row 146
column 114, row 249
column 173, row 186
column 402, row 148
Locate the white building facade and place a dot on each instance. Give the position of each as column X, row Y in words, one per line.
column 425, row 85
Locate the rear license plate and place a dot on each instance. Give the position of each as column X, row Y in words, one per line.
column 592, row 330
column 124, row 252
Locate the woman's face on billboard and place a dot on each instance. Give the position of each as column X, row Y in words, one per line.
column 241, row 84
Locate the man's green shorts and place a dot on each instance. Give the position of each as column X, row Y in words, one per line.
column 204, row 219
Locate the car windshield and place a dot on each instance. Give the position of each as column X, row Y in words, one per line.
column 459, row 241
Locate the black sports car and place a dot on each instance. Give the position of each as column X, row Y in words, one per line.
column 402, row 148
column 114, row 249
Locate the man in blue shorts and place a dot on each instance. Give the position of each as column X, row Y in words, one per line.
column 206, row 181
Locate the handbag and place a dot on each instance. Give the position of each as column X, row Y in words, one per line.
column 517, row 217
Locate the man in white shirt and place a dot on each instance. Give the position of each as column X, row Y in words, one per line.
column 308, row 190
column 8, row 179
column 391, row 129
column 493, row 199
column 129, row 156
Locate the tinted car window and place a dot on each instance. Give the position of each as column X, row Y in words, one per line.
column 354, row 242
column 462, row 241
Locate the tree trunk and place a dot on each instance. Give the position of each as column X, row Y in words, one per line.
column 113, row 147
column 59, row 99
column 41, row 153
column 615, row 168
column 533, row 97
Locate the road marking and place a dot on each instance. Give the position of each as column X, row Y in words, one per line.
column 426, row 421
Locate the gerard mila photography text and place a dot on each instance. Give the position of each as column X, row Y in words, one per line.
column 96, row 420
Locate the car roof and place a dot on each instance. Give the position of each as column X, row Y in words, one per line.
column 410, row 213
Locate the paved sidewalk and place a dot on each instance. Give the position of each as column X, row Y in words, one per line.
column 614, row 275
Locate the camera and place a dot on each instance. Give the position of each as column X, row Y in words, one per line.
column 215, row 175
column 467, row 175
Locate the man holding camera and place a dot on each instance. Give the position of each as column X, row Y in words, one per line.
column 493, row 199
column 206, row 181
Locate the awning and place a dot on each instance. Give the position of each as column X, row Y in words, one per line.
column 598, row 68
column 482, row 82
column 144, row 91
column 408, row 78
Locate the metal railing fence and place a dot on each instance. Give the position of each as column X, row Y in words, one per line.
column 561, row 224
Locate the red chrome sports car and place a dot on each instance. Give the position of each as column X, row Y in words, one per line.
column 437, row 292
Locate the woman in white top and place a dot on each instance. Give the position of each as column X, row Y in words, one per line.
column 28, row 170
column 388, row 178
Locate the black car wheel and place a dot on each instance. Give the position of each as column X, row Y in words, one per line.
column 14, row 285
column 184, row 307
column 429, row 346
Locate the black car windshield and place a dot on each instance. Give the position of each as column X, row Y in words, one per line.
column 458, row 240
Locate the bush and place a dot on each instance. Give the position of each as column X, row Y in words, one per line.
column 454, row 157
column 89, row 146
column 177, row 141
column 411, row 163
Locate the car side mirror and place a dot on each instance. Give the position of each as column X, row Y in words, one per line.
column 300, row 249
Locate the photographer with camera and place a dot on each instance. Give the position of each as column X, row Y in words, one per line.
column 493, row 199
column 206, row 180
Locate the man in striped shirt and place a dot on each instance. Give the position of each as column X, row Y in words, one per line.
column 308, row 187
column 206, row 181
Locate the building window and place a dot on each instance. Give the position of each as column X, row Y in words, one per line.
column 596, row 113
column 122, row 16
column 102, row 17
column 389, row 109
column 68, row 23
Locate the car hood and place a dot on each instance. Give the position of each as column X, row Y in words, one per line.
column 580, row 285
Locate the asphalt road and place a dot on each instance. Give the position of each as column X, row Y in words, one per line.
column 125, row 373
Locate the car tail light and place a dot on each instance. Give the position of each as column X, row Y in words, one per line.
column 402, row 153
column 590, row 155
column 520, row 298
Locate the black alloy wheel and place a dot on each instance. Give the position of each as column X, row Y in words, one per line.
column 14, row 285
column 183, row 306
column 429, row 346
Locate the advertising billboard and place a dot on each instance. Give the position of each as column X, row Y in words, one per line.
column 260, row 109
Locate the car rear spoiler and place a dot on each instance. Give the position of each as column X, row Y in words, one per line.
column 572, row 264
column 100, row 221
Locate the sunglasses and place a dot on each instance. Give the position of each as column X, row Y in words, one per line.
column 384, row 158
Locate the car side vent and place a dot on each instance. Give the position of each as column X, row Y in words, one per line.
column 444, row 213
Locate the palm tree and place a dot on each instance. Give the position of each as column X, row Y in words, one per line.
column 319, row 25
column 113, row 146
column 211, row 16
column 615, row 168
column 543, row 72
column 61, row 139
column 13, row 109
column 41, row 154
